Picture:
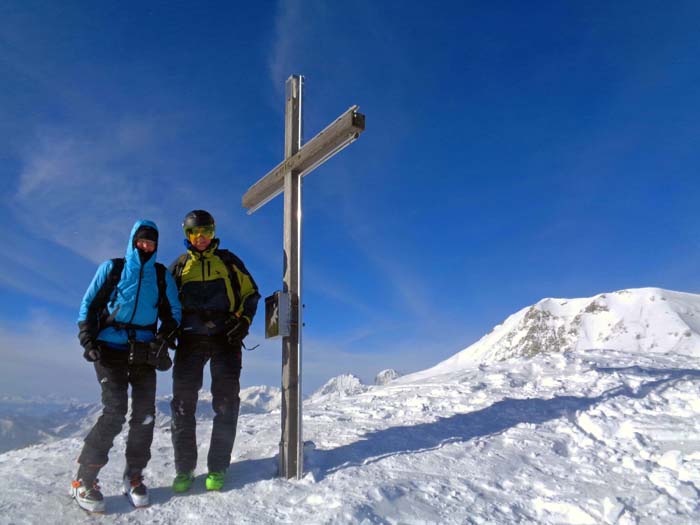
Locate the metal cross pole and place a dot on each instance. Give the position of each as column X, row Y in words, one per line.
column 298, row 162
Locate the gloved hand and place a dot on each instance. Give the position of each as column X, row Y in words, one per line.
column 92, row 352
column 168, row 332
column 237, row 331
column 164, row 362
column 158, row 354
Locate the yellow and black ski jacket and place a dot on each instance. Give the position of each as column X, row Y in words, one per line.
column 214, row 288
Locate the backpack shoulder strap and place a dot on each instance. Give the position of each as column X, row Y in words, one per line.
column 177, row 267
column 105, row 292
column 160, row 276
column 228, row 257
column 229, row 260
column 117, row 267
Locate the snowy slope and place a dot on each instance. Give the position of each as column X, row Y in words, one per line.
column 642, row 320
column 592, row 433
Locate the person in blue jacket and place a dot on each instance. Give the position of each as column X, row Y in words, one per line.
column 119, row 332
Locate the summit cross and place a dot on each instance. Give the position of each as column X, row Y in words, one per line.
column 286, row 177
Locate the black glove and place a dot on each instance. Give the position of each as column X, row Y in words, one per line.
column 92, row 352
column 158, row 354
column 237, row 331
column 164, row 362
column 168, row 332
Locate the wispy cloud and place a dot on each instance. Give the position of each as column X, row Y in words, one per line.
column 41, row 356
column 83, row 190
column 44, row 273
column 408, row 301
column 299, row 27
column 386, row 259
column 287, row 37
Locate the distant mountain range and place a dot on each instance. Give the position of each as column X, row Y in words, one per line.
column 26, row 422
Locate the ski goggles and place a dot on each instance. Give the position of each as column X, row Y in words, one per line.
column 199, row 231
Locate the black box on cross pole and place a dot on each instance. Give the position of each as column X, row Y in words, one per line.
column 277, row 319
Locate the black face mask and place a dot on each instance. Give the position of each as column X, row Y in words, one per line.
column 144, row 256
column 145, row 232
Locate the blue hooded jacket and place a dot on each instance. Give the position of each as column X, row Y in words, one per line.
column 134, row 300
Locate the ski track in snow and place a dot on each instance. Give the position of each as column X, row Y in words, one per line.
column 579, row 437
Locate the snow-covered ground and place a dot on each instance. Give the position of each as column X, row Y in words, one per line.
column 565, row 413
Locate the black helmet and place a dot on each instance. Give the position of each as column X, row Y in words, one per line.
column 198, row 218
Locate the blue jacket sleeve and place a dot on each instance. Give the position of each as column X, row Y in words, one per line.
column 87, row 317
column 97, row 281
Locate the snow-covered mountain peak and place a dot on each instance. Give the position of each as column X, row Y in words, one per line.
column 643, row 320
column 340, row 386
column 260, row 399
column 386, row 376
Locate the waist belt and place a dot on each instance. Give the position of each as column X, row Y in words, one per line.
column 144, row 354
column 133, row 327
column 107, row 319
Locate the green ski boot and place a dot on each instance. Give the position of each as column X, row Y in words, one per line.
column 215, row 480
column 183, row 482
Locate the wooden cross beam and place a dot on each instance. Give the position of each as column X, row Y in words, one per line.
column 286, row 177
column 346, row 128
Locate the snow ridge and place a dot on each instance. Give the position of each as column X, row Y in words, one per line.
column 386, row 376
column 340, row 386
column 642, row 320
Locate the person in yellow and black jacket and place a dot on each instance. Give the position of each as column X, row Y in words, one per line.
column 219, row 299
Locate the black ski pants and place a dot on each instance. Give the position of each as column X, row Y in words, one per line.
column 225, row 367
column 114, row 381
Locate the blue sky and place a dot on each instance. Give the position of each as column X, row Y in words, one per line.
column 513, row 151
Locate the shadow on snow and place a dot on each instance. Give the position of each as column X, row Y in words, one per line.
column 494, row 419
column 374, row 446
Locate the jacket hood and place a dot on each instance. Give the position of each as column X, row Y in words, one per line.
column 132, row 255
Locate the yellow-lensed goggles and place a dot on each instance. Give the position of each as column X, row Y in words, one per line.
column 199, row 231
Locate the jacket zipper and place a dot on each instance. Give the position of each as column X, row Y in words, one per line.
column 138, row 291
